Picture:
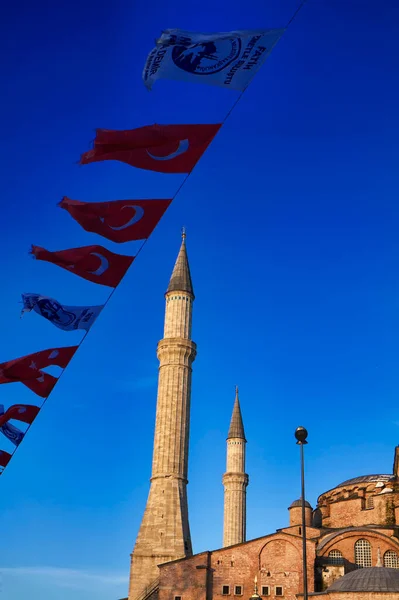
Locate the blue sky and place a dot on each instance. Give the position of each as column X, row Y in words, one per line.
column 292, row 220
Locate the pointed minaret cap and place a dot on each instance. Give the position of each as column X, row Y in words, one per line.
column 181, row 276
column 236, row 425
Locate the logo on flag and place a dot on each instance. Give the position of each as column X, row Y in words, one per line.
column 225, row 59
column 67, row 318
column 12, row 433
column 207, row 58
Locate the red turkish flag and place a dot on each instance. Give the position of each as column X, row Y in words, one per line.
column 20, row 412
column 27, row 369
column 162, row 148
column 118, row 220
column 94, row 263
column 4, row 458
column 42, row 386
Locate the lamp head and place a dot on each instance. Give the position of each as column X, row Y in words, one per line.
column 301, row 434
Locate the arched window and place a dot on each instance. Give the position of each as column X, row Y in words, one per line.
column 363, row 553
column 336, row 557
column 391, row 559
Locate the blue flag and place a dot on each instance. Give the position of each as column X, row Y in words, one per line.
column 67, row 318
column 226, row 59
column 12, row 433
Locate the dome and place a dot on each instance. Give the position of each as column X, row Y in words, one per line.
column 366, row 479
column 368, row 579
column 297, row 503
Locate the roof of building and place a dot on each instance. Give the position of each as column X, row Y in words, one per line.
column 236, row 429
column 297, row 503
column 181, row 276
column 366, row 479
column 369, row 579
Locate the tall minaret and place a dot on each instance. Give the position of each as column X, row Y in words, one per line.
column 164, row 533
column 235, row 481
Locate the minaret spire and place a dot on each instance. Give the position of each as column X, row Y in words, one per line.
column 164, row 533
column 236, row 425
column 181, row 276
column 235, row 481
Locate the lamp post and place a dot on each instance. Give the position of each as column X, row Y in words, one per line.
column 301, row 434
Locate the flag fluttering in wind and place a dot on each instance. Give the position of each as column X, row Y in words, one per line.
column 68, row 318
column 118, row 220
column 5, row 458
column 12, row 433
column 225, row 59
column 162, row 148
column 25, row 413
column 94, row 263
column 28, row 369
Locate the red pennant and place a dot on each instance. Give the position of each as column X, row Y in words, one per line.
column 94, row 263
column 27, row 369
column 20, row 412
column 119, row 220
column 162, row 148
column 42, row 386
column 4, row 459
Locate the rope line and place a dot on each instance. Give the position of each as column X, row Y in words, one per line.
column 177, row 192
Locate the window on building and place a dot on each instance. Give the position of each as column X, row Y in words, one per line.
column 391, row 559
column 363, row 553
column 279, row 590
column 369, row 502
column 177, row 597
column 265, row 590
column 336, row 557
column 225, row 590
column 238, row 590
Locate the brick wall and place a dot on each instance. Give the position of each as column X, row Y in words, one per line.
column 276, row 560
column 358, row 505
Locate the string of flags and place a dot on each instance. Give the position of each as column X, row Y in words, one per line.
column 229, row 60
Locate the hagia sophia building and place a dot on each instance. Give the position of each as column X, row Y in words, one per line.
column 352, row 535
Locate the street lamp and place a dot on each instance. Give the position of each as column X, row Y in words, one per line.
column 301, row 434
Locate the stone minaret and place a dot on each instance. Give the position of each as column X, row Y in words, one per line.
column 235, row 481
column 164, row 533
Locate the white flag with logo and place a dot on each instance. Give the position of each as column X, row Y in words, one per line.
column 225, row 59
column 67, row 318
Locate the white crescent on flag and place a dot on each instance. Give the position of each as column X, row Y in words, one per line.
column 103, row 266
column 139, row 212
column 183, row 147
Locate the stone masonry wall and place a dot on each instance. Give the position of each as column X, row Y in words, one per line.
column 276, row 560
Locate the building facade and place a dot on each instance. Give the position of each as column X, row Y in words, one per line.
column 354, row 526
